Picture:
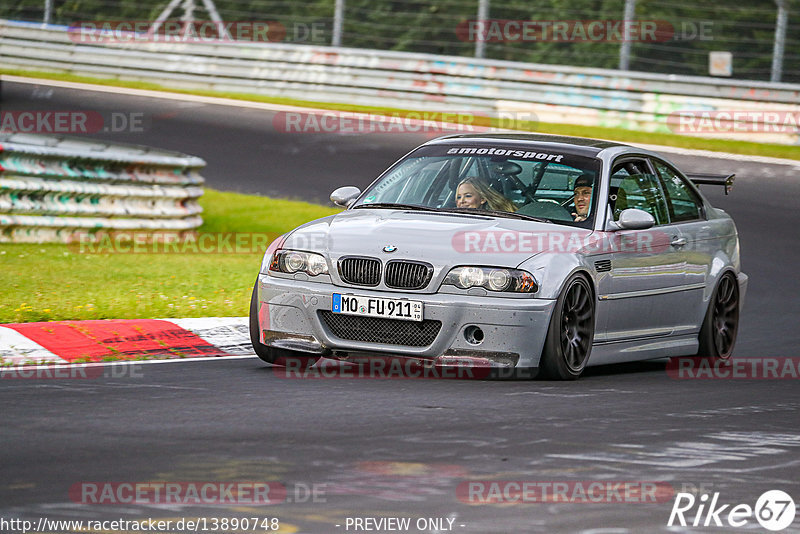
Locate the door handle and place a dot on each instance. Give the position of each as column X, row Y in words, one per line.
column 678, row 241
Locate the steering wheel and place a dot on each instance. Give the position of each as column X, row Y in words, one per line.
column 546, row 209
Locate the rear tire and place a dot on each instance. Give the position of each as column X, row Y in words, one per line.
column 721, row 323
column 571, row 332
column 269, row 354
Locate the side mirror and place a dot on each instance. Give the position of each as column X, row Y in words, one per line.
column 344, row 196
column 635, row 219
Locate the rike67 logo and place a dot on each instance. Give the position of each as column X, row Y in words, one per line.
column 774, row 510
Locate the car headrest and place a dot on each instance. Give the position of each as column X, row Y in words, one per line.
column 620, row 201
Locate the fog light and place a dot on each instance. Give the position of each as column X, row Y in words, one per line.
column 473, row 334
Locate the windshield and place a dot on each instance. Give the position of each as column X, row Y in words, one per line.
column 503, row 181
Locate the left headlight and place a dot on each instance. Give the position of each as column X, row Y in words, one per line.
column 492, row 278
column 296, row 261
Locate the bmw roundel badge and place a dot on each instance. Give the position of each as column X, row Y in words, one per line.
column 389, row 248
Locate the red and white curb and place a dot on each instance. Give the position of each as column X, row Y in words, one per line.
column 123, row 339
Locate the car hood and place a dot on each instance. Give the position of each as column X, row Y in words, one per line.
column 442, row 239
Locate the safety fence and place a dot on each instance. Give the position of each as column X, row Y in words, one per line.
column 747, row 110
column 57, row 189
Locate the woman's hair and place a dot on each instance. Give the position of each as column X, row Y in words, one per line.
column 494, row 200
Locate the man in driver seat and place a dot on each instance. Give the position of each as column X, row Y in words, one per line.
column 582, row 196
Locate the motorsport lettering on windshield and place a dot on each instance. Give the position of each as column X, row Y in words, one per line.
column 509, row 152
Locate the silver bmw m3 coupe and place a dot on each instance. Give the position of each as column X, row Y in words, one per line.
column 530, row 253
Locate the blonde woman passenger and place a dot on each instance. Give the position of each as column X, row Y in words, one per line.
column 473, row 192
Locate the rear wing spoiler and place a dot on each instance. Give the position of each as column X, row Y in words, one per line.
column 713, row 179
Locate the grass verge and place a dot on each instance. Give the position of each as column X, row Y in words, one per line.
column 616, row 134
column 52, row 282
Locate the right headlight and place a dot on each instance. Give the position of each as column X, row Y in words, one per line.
column 492, row 278
column 295, row 261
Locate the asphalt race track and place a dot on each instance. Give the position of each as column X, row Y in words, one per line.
column 406, row 448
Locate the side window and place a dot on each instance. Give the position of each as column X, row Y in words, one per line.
column 633, row 186
column 682, row 203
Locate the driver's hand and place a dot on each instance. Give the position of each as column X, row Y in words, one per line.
column 578, row 218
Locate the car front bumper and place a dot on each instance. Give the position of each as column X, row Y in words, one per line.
column 514, row 329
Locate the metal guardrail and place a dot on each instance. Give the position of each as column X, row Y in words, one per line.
column 572, row 95
column 54, row 189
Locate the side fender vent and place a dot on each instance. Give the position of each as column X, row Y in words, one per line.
column 602, row 266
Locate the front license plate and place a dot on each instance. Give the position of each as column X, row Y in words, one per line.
column 407, row 310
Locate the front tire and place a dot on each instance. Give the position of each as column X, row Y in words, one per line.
column 721, row 323
column 571, row 332
column 269, row 354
